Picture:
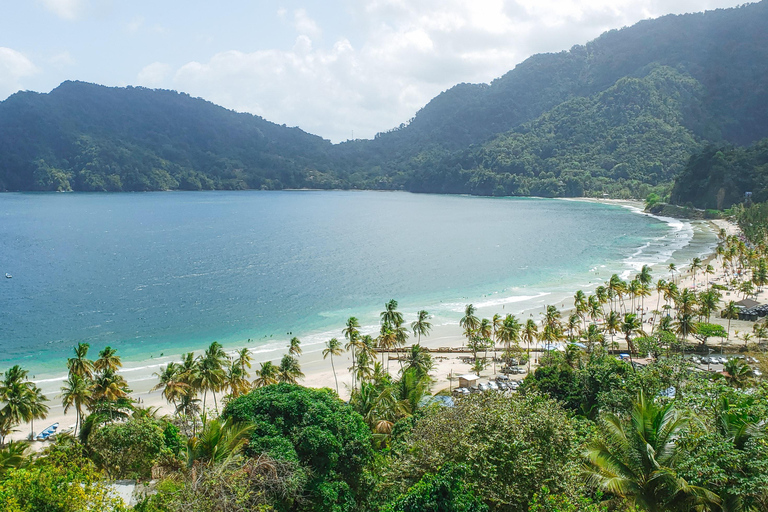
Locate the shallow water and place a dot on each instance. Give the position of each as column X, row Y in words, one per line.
column 158, row 274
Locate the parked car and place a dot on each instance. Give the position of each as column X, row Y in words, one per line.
column 492, row 385
column 461, row 391
column 502, row 378
column 483, row 387
column 696, row 360
column 514, row 384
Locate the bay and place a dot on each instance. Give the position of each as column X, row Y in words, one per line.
column 157, row 274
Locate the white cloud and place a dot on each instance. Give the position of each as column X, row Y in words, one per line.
column 154, row 75
column 408, row 53
column 62, row 60
column 305, row 25
column 14, row 66
column 67, row 9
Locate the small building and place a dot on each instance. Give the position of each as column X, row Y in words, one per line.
column 467, row 381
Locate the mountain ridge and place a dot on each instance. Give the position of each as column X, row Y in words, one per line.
column 88, row 137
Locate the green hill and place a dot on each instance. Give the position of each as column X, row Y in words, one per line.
column 620, row 115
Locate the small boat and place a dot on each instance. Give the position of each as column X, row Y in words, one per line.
column 8, row 276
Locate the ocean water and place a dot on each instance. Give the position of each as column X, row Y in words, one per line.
column 158, row 274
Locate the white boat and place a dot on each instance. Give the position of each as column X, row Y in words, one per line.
column 8, row 276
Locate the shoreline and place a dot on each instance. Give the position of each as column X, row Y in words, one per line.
column 318, row 372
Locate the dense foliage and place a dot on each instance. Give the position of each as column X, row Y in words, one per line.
column 719, row 177
column 316, row 429
column 619, row 115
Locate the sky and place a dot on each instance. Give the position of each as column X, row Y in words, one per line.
column 340, row 69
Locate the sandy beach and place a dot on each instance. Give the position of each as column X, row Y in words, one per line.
column 319, row 373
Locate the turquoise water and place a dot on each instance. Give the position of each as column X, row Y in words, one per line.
column 162, row 273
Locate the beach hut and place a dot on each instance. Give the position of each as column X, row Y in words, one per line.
column 468, row 380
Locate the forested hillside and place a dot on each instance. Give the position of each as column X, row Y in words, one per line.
column 620, row 115
column 720, row 176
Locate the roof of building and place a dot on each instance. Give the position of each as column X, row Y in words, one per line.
column 469, row 376
column 748, row 303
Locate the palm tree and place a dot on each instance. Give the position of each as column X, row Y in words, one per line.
column 672, row 269
column 244, row 359
column 236, row 380
column 24, row 402
column 613, row 323
column 710, row 271
column 289, row 370
column 108, row 360
column 645, row 276
column 421, row 326
column 352, row 333
column 469, row 321
column 109, row 386
column 294, row 348
column 739, row 372
column 266, row 375
column 695, row 266
column 333, row 348
column 730, row 312
column 80, row 364
column 630, row 326
column 211, row 371
column 418, row 360
column 637, row 458
column 387, row 341
column 390, row 315
column 530, row 335
column 219, row 441
column 171, row 382
column 76, row 393
column 510, row 331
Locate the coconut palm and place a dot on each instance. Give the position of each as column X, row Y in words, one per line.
column 219, row 441
column 172, row 383
column 243, row 359
column 387, row 341
column 595, row 308
column 530, row 334
column 695, row 266
column 685, row 325
column 469, row 322
column 636, row 459
column 352, row 333
column 631, row 325
column 672, row 269
column 211, row 371
column 333, row 348
column 509, row 332
column 266, row 375
column 80, row 364
column 738, row 372
column 108, row 360
column 294, row 347
column 709, row 270
column 24, row 402
column 14, row 456
column 289, row 370
column 552, row 328
column 645, row 276
column 76, row 392
column 613, row 323
column 421, row 326
column 109, row 386
column 419, row 361
column 236, row 380
column 730, row 312
column 390, row 315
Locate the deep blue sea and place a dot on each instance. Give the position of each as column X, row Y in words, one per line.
column 162, row 273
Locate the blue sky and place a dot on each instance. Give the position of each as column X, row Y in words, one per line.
column 336, row 68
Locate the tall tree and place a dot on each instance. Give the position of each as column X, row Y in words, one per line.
column 80, row 364
column 108, row 360
column 76, row 392
column 211, row 371
column 333, row 348
column 390, row 315
column 636, row 459
column 421, row 326
column 294, row 347
column 289, row 370
column 172, row 383
column 266, row 375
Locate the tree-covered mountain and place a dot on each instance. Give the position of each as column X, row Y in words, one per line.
column 88, row 137
column 620, row 115
column 720, row 176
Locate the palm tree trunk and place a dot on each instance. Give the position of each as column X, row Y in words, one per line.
column 334, row 375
